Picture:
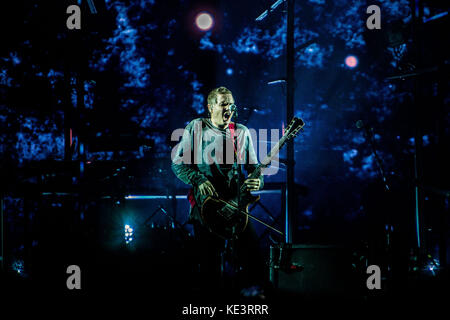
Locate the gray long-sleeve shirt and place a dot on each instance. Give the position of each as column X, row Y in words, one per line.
column 206, row 152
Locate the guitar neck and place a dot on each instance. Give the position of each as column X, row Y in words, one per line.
column 291, row 131
column 265, row 162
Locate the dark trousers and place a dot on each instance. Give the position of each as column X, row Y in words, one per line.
column 229, row 263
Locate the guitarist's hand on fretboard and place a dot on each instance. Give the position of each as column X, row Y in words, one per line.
column 252, row 184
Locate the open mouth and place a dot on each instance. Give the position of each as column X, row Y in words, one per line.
column 227, row 116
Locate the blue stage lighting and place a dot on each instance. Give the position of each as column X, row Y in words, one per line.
column 229, row 71
column 432, row 266
column 18, row 266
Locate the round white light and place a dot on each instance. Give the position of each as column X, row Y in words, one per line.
column 204, row 21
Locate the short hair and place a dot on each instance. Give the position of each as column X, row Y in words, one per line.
column 212, row 96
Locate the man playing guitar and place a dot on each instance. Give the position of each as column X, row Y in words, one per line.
column 206, row 159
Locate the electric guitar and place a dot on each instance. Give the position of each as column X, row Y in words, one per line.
column 222, row 216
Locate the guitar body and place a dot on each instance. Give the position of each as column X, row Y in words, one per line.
column 222, row 217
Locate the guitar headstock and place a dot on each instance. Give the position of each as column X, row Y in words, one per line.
column 294, row 127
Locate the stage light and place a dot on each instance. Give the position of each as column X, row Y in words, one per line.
column 229, row 71
column 432, row 266
column 204, row 21
column 351, row 61
column 128, row 234
column 18, row 266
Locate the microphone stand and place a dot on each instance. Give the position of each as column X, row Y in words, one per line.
column 237, row 175
column 368, row 133
column 237, row 170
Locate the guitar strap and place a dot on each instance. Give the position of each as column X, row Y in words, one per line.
column 191, row 197
column 231, row 126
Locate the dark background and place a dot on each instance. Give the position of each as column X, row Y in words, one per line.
column 86, row 118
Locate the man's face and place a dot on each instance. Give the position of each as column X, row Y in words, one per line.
column 220, row 111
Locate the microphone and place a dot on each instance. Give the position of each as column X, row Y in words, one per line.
column 233, row 108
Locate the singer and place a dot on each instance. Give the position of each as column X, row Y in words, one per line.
column 216, row 177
